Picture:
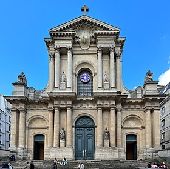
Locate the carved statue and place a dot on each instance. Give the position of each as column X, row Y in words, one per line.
column 63, row 77
column 106, row 79
column 106, row 134
column 62, row 134
column 22, row 78
column 148, row 77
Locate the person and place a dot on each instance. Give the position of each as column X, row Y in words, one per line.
column 31, row 165
column 81, row 166
column 149, row 165
column 163, row 165
column 154, row 165
column 10, row 166
column 54, row 165
column 64, row 161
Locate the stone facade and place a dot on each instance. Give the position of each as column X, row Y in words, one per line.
column 165, row 118
column 5, row 123
column 85, row 98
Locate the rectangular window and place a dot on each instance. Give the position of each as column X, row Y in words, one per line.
column 163, row 136
column 163, row 123
column 163, row 147
column 163, row 110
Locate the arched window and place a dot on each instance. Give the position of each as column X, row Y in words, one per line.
column 85, row 83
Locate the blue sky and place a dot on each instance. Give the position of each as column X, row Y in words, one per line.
column 25, row 23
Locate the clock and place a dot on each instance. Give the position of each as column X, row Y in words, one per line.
column 85, row 78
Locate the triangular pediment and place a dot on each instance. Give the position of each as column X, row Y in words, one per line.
column 84, row 21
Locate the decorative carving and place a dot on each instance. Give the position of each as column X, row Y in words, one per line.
column 62, row 134
column 84, row 38
column 105, row 78
column 148, row 77
column 22, row 78
column 51, row 55
column 106, row 134
column 63, row 77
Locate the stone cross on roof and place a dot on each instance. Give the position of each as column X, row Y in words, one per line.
column 85, row 9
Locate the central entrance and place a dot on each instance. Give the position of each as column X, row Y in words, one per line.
column 84, row 138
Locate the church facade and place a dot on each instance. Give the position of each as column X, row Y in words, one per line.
column 85, row 112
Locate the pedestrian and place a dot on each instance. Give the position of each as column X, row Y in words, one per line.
column 149, row 165
column 10, row 166
column 31, row 165
column 54, row 165
column 81, row 166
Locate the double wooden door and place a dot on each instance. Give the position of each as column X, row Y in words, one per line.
column 84, row 139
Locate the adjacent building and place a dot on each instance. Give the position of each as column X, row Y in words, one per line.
column 85, row 112
column 5, row 123
column 165, row 118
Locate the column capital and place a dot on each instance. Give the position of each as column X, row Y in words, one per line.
column 118, row 52
column 113, row 108
column 99, row 49
column 57, row 48
column 112, row 49
column 69, row 49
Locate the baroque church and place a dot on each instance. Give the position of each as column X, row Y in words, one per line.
column 85, row 112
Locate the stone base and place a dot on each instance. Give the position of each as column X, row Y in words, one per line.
column 106, row 153
column 22, row 153
column 60, row 153
column 106, row 85
column 150, row 153
column 106, row 143
column 63, row 85
column 62, row 143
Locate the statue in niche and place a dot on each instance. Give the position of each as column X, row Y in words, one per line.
column 148, row 77
column 106, row 134
column 22, row 78
column 63, row 77
column 106, row 79
column 62, row 134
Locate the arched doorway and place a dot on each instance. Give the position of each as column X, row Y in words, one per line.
column 131, row 147
column 84, row 138
column 39, row 147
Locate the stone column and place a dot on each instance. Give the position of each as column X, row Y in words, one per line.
column 50, row 130
column 99, row 67
column 69, row 68
column 99, row 127
column 156, row 120
column 112, row 68
column 56, row 128
column 119, row 132
column 13, row 139
column 51, row 71
column 119, row 69
column 57, row 67
column 69, row 135
column 112, row 127
column 22, row 127
column 148, row 127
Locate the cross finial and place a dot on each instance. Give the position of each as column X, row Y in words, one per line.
column 85, row 9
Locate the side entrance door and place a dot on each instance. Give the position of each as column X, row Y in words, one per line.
column 84, row 141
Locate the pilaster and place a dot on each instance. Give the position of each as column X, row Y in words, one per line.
column 112, row 127
column 119, row 132
column 56, row 127
column 69, row 136
column 69, row 68
column 51, row 71
column 50, row 133
column 22, row 127
column 99, row 67
column 112, row 68
column 99, row 127
column 148, row 127
column 57, row 67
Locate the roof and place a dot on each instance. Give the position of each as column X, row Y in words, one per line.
column 84, row 19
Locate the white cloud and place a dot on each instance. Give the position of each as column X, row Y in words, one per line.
column 164, row 78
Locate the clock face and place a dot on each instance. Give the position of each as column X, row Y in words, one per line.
column 85, row 78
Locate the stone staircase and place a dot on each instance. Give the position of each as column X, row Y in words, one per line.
column 104, row 164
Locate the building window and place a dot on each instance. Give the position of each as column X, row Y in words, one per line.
column 163, row 123
column 163, row 147
column 162, row 110
column 84, row 83
column 163, row 136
